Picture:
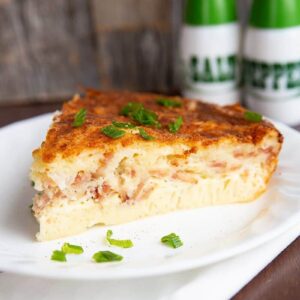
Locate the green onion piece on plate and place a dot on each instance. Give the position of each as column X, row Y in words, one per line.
column 175, row 126
column 71, row 249
column 79, row 118
column 113, row 132
column 106, row 256
column 145, row 135
column 172, row 240
column 58, row 255
column 118, row 243
column 252, row 116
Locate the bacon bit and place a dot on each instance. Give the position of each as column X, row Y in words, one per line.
column 191, row 151
column 133, row 173
column 49, row 183
column 271, row 154
column 106, row 188
column 235, row 167
column 39, row 202
column 97, row 197
column 107, row 157
column 267, row 150
column 124, row 196
column 98, row 173
column 185, row 177
column 138, row 190
column 77, row 179
column 175, row 159
column 146, row 193
column 82, row 177
column 218, row 164
column 58, row 194
column 159, row 173
column 174, row 163
column 240, row 154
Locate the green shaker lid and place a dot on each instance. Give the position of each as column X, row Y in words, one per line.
column 209, row 12
column 275, row 13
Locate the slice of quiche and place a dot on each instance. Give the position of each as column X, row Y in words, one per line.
column 112, row 157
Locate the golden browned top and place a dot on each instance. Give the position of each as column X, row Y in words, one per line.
column 203, row 123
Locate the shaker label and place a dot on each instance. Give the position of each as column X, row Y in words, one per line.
column 211, row 70
column 275, row 77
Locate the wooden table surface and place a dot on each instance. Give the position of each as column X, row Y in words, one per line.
column 279, row 280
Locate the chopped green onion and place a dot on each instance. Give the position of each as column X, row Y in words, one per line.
column 112, row 132
column 79, row 118
column 71, row 249
column 253, row 116
column 145, row 117
column 32, row 183
column 175, row 126
column 106, row 256
column 168, row 102
column 130, row 108
column 140, row 114
column 145, row 135
column 58, row 256
column 118, row 243
column 172, row 240
column 123, row 124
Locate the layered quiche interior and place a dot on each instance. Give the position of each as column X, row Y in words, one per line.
column 128, row 183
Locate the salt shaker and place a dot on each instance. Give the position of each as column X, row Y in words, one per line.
column 209, row 49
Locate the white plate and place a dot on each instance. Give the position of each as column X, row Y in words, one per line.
column 209, row 234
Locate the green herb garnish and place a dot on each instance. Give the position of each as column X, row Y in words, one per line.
column 130, row 107
column 145, row 135
column 140, row 114
column 145, row 117
column 168, row 102
column 118, row 243
column 172, row 240
column 58, row 255
column 71, row 249
column 175, row 126
column 106, row 256
column 253, row 116
column 32, row 183
column 79, row 118
column 123, row 124
column 112, row 132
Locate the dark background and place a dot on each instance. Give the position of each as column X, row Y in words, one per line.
column 50, row 48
